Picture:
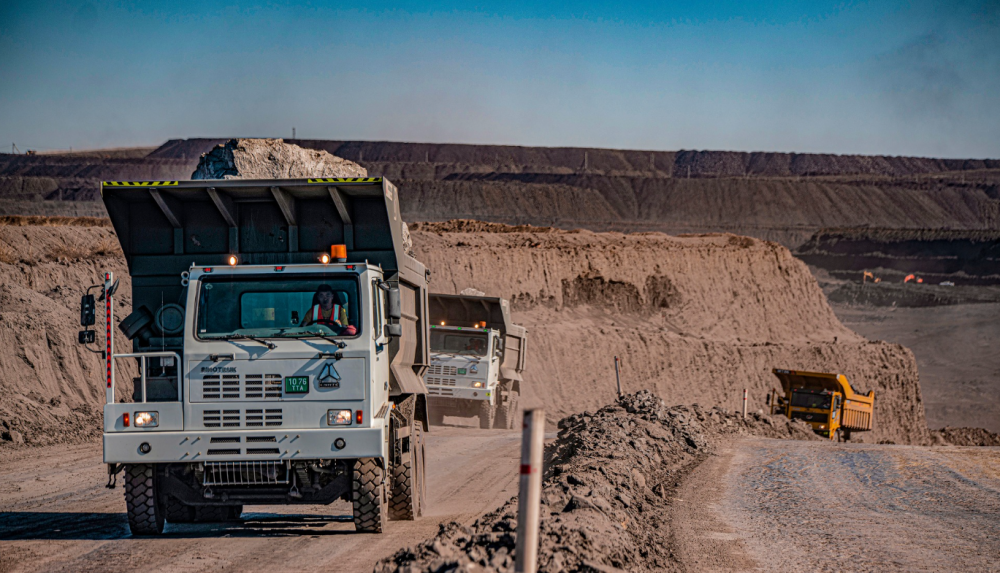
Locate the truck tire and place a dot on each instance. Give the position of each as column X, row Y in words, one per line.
column 369, row 496
column 217, row 513
column 407, row 500
column 508, row 411
column 145, row 515
column 487, row 413
column 176, row 512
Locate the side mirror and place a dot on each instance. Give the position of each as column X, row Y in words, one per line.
column 394, row 329
column 395, row 304
column 87, row 309
column 87, row 336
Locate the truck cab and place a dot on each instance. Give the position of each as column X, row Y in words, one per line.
column 477, row 356
column 271, row 371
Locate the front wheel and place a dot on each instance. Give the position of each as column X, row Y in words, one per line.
column 487, row 414
column 369, row 496
column 145, row 513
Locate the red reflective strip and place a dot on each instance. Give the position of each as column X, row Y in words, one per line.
column 107, row 331
column 525, row 469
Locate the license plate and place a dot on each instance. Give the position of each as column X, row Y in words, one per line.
column 296, row 384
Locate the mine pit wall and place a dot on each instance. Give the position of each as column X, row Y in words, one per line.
column 694, row 319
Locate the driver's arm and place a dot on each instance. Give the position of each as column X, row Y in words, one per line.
column 342, row 318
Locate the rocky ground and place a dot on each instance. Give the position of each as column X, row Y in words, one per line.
column 611, row 480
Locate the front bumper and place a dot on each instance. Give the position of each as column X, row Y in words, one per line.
column 197, row 446
column 478, row 394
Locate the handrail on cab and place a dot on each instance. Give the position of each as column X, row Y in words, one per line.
column 142, row 356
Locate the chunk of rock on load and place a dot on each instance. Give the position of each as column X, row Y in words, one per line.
column 271, row 159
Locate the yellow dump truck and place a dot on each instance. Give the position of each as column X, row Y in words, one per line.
column 825, row 401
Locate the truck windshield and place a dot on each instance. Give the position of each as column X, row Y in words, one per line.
column 458, row 343
column 289, row 306
column 810, row 400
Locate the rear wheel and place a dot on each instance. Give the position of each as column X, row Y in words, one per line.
column 407, row 479
column 145, row 514
column 176, row 512
column 487, row 413
column 369, row 496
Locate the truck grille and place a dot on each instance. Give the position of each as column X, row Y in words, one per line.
column 237, row 386
column 240, row 419
column 441, row 381
column 245, row 473
column 433, row 391
column 443, row 370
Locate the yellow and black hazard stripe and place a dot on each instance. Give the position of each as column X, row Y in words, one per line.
column 139, row 183
column 346, row 180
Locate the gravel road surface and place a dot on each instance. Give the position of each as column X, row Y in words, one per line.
column 776, row 505
column 56, row 515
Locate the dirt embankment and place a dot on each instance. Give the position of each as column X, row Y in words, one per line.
column 606, row 497
column 52, row 388
column 695, row 319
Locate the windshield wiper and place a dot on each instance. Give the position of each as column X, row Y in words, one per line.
column 266, row 343
column 338, row 343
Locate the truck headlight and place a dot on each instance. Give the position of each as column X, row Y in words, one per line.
column 338, row 417
column 477, row 384
column 146, row 419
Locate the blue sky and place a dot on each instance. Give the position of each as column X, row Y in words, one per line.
column 895, row 78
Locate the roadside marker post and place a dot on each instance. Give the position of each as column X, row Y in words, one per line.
column 618, row 378
column 744, row 402
column 529, row 492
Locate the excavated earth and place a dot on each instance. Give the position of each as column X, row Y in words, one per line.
column 606, row 497
column 696, row 319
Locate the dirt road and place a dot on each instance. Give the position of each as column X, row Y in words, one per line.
column 56, row 515
column 775, row 505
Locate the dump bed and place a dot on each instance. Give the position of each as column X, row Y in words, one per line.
column 858, row 408
column 468, row 310
column 165, row 227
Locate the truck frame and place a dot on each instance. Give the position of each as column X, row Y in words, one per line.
column 825, row 401
column 251, row 389
column 477, row 356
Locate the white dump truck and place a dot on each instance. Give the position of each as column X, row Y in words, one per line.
column 477, row 357
column 280, row 332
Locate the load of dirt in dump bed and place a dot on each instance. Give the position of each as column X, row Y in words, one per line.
column 271, row 159
column 693, row 318
column 607, row 491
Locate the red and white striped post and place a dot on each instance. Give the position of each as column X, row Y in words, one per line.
column 744, row 402
column 530, row 492
column 109, row 337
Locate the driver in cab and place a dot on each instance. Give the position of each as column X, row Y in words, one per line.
column 329, row 310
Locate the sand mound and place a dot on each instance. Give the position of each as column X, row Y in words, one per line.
column 607, row 495
column 271, row 159
column 964, row 437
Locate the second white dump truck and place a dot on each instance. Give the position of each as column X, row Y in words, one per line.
column 477, row 356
